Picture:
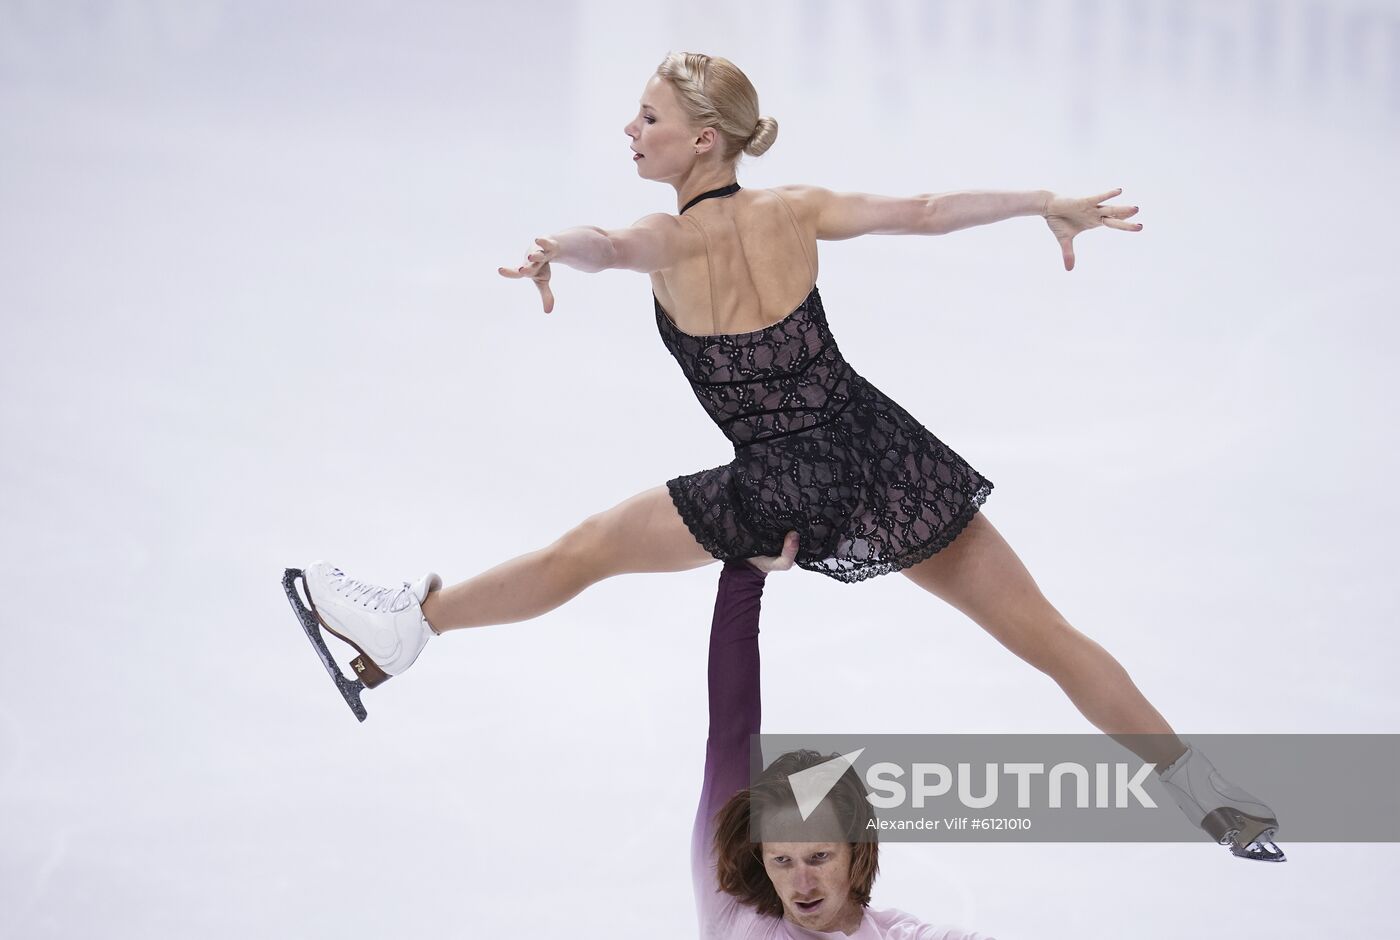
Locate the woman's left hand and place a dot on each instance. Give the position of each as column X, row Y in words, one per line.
column 1067, row 216
column 537, row 269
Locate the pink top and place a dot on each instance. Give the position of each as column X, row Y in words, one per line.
column 735, row 715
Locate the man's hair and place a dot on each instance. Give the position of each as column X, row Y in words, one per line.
column 739, row 861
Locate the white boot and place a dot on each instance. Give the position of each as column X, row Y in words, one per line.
column 1231, row 815
column 385, row 624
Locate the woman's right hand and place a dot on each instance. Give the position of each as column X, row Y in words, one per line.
column 536, row 268
column 777, row 562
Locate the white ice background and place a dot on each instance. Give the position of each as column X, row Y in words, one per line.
column 251, row 318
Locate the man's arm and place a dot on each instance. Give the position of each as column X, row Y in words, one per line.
column 736, row 701
column 735, row 713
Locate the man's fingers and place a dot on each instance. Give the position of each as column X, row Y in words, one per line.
column 778, row 562
column 789, row 551
column 790, row 546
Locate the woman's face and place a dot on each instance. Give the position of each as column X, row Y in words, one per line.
column 661, row 135
column 813, row 879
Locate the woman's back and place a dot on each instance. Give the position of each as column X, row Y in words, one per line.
column 752, row 261
column 817, row 449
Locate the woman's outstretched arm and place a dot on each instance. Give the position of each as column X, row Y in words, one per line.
column 841, row 215
column 950, row 212
column 583, row 247
column 846, row 215
column 653, row 243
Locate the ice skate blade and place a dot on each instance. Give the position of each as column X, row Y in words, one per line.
column 1246, row 836
column 310, row 623
column 1230, row 826
column 1260, row 850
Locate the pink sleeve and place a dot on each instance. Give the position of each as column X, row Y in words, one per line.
column 735, row 714
column 895, row 924
column 926, row 932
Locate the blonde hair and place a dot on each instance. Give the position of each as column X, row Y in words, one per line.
column 714, row 92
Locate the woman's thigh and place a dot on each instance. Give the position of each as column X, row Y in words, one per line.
column 980, row 575
column 643, row 533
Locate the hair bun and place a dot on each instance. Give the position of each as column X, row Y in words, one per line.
column 764, row 133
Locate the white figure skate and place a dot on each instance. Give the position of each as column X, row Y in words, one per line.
column 385, row 625
column 1231, row 815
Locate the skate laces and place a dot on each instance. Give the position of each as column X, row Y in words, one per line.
column 374, row 596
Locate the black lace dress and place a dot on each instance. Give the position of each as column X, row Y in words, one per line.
column 817, row 449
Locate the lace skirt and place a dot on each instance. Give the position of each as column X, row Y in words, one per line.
column 869, row 493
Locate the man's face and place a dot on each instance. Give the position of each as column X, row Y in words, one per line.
column 813, row 879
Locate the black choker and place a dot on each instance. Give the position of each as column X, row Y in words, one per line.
column 722, row 191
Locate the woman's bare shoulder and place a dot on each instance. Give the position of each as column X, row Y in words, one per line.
column 808, row 202
column 803, row 194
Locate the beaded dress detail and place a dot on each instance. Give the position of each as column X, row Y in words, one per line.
column 817, row 449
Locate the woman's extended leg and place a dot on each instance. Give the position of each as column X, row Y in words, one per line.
column 981, row 576
column 642, row 533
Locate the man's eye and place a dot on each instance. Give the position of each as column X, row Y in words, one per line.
column 823, row 854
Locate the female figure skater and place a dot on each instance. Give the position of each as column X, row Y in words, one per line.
column 818, row 449
column 785, row 887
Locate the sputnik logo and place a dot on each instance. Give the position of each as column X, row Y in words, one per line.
column 811, row 786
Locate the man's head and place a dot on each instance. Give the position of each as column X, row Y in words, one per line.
column 818, row 871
